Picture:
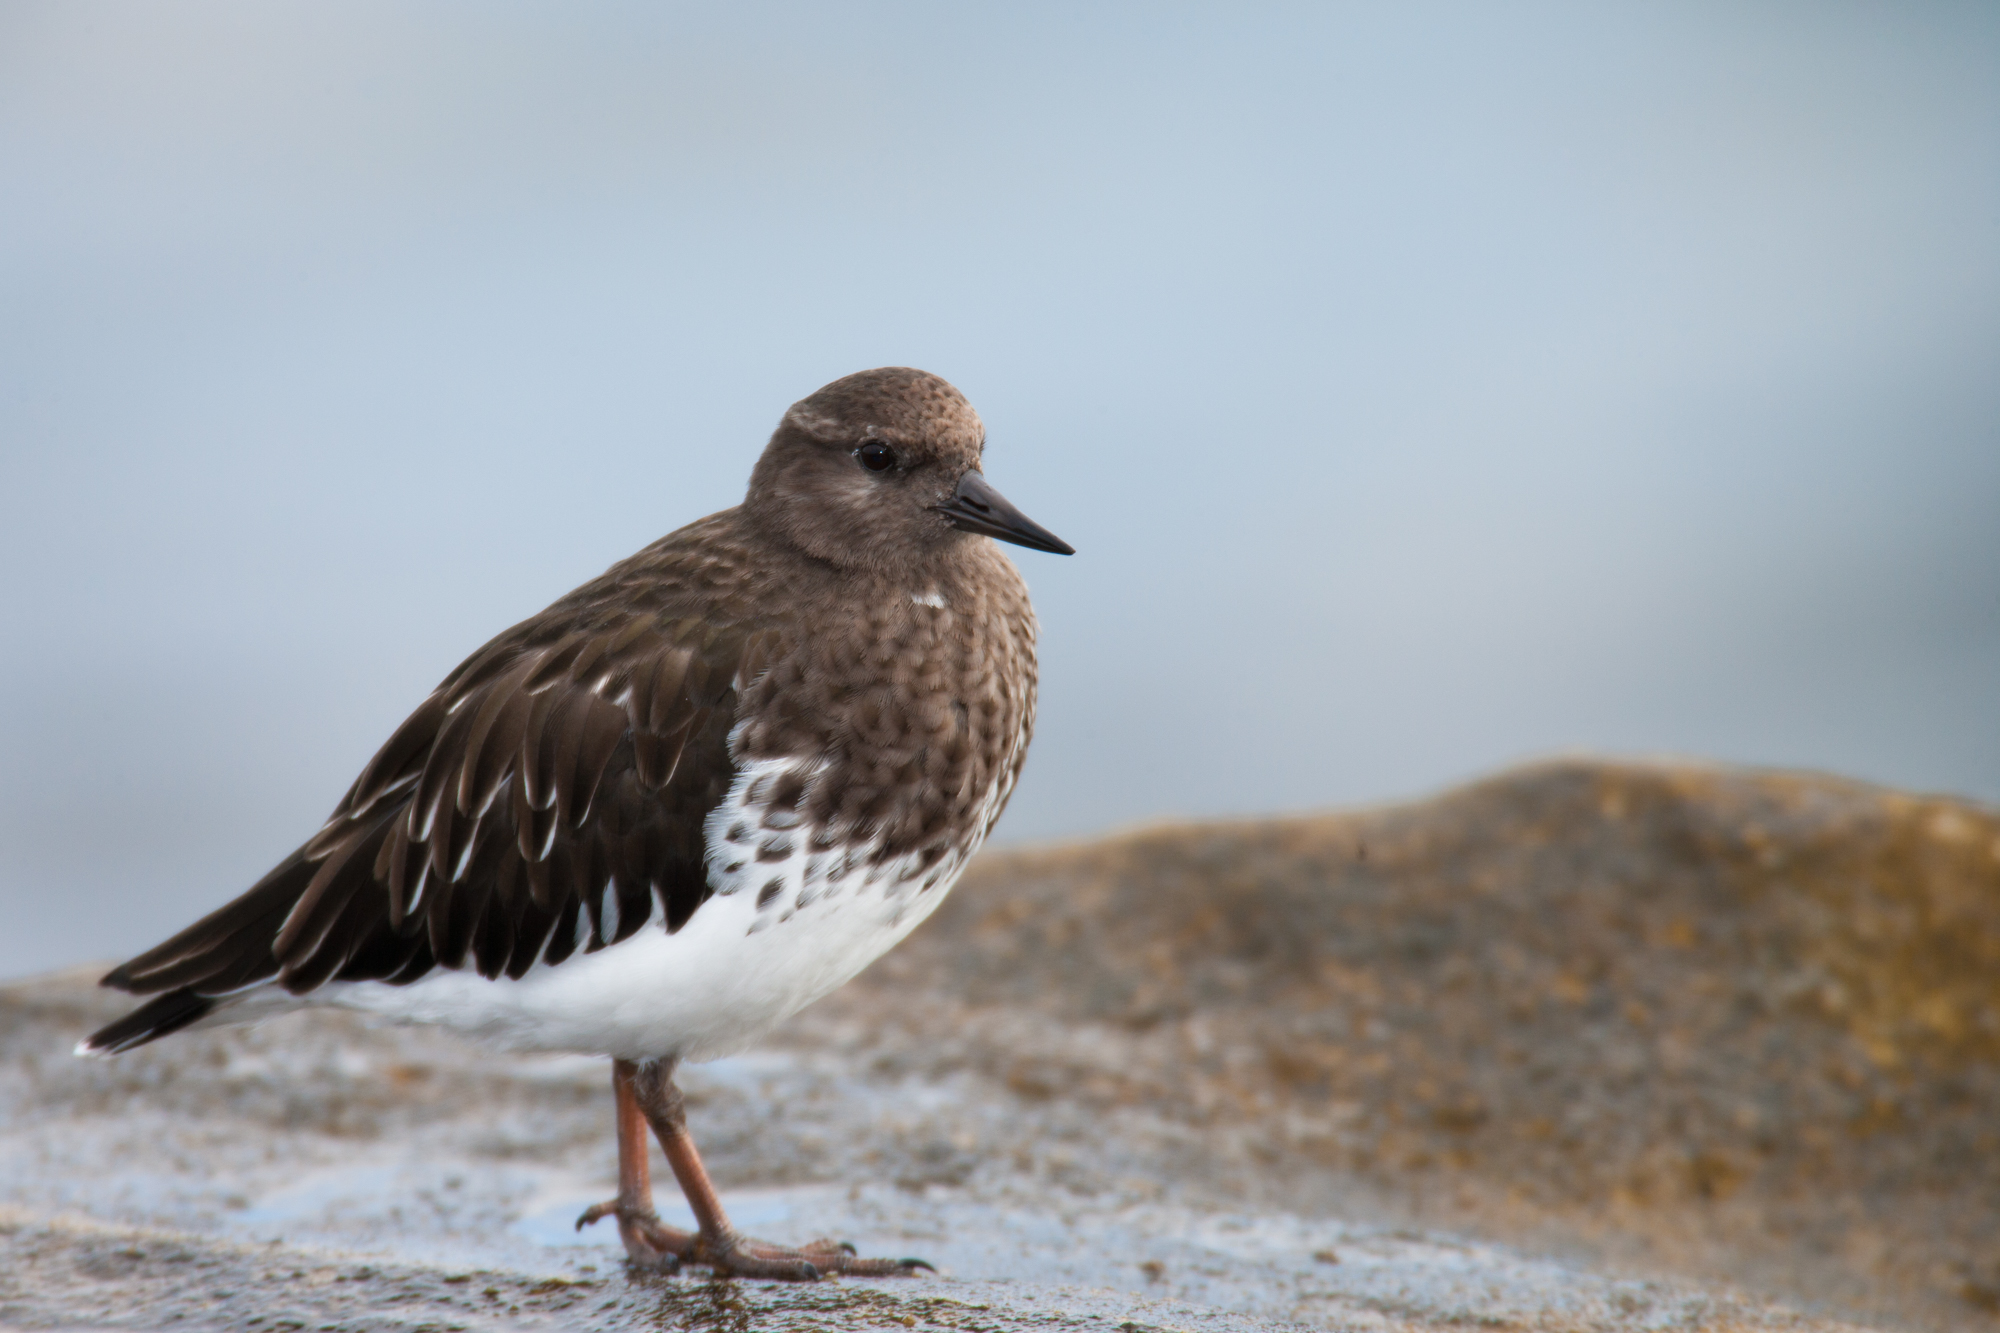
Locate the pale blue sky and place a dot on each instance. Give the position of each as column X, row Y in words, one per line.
column 1426, row 387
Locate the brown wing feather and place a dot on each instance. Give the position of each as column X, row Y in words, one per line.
column 560, row 776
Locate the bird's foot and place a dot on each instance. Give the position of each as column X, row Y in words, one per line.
column 649, row 1242
column 739, row 1256
column 652, row 1244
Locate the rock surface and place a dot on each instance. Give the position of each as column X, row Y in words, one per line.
column 1585, row 1046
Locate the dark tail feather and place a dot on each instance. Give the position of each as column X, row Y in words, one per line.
column 234, row 940
column 155, row 1018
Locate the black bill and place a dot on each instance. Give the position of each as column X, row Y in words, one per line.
column 976, row 507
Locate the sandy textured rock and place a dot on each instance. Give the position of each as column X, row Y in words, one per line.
column 1720, row 1022
column 1585, row 1046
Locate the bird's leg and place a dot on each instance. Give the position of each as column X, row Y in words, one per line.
column 649, row 1243
column 717, row 1243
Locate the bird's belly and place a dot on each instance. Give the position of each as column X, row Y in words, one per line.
column 731, row 973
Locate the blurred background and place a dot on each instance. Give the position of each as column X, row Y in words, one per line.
column 1426, row 387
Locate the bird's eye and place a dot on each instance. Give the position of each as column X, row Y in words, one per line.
column 876, row 457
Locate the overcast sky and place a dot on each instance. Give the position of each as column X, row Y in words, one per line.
column 1426, row 387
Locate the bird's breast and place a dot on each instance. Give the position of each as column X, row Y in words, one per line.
column 877, row 751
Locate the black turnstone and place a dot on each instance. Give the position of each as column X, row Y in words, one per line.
column 685, row 801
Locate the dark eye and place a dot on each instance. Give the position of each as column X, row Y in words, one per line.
column 876, row 457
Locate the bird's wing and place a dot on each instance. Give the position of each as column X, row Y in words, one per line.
column 549, row 796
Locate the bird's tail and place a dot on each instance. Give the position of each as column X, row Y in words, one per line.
column 155, row 1018
column 209, row 964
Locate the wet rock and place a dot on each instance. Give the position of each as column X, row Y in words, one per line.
column 1695, row 1026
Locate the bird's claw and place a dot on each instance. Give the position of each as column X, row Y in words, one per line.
column 649, row 1242
column 657, row 1247
column 815, row 1259
column 653, row 1245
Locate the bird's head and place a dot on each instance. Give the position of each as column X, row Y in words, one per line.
column 882, row 469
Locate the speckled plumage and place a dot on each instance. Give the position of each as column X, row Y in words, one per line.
column 629, row 824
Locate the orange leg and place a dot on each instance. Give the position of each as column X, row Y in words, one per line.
column 649, row 1243
column 646, row 1095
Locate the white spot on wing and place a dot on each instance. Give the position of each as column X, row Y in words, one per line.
column 608, row 911
column 933, row 598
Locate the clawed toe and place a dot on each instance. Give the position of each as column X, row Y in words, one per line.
column 738, row 1256
column 649, row 1243
column 597, row 1212
column 886, row 1267
column 758, row 1261
column 838, row 1258
column 652, row 1245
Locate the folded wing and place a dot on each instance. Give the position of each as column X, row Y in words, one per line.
column 548, row 797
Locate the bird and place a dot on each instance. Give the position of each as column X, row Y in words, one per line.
column 684, row 801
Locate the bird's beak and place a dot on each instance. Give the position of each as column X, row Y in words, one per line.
column 976, row 507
